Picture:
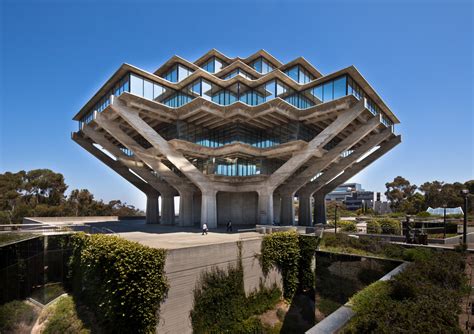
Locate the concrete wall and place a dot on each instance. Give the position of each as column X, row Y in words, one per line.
column 241, row 208
column 185, row 266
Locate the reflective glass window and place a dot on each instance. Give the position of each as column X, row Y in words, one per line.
column 328, row 91
column 293, row 73
column 340, row 87
column 148, row 90
column 136, row 85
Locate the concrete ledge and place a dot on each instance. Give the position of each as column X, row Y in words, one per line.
column 339, row 318
column 47, row 220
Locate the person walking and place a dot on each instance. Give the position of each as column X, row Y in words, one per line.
column 229, row 226
column 204, row 228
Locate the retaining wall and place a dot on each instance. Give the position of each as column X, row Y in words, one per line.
column 184, row 267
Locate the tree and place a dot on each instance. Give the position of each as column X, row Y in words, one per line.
column 398, row 191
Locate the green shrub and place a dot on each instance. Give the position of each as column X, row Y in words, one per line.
column 63, row 318
column 347, row 225
column 220, row 303
column 13, row 314
column 123, row 282
column 423, row 214
column 426, row 295
column 373, row 227
column 390, row 226
column 378, row 291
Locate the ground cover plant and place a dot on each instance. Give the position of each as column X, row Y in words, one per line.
column 122, row 282
column 426, row 295
column 62, row 317
column 341, row 243
column 16, row 316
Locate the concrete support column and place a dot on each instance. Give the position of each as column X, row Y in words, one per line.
column 265, row 208
column 276, row 208
column 304, row 211
column 167, row 209
column 152, row 210
column 287, row 210
column 209, row 208
column 319, row 208
column 186, row 208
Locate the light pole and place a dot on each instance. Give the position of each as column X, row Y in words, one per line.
column 444, row 221
column 335, row 218
column 464, row 193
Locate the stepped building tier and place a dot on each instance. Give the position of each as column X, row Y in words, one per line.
column 236, row 138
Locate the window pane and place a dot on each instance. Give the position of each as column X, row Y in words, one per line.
column 327, row 91
column 136, row 85
column 148, row 90
column 340, row 87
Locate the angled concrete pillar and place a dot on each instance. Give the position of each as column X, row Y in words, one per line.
column 186, row 209
column 265, row 207
column 167, row 209
column 304, row 210
column 287, row 210
column 209, row 208
column 152, row 210
column 319, row 208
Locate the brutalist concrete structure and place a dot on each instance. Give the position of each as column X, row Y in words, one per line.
column 236, row 138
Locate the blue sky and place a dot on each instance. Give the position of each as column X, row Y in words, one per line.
column 418, row 55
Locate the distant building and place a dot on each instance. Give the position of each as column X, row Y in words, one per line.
column 355, row 197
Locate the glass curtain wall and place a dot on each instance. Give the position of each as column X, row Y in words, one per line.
column 299, row 74
column 324, row 92
column 177, row 73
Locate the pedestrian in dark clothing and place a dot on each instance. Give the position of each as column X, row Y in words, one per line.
column 229, row 226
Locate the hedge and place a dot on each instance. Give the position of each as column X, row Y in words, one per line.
column 122, row 282
column 221, row 305
column 384, row 226
column 425, row 297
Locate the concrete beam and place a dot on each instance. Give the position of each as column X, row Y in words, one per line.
column 344, row 163
column 315, row 146
column 304, row 177
column 116, row 166
column 358, row 166
column 160, row 185
column 161, row 145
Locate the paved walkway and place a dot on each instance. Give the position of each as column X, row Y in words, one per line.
column 172, row 237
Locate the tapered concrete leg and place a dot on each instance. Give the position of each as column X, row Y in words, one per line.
column 167, row 210
column 287, row 210
column 319, row 208
column 209, row 209
column 265, row 208
column 304, row 211
column 152, row 210
column 186, row 209
column 276, row 208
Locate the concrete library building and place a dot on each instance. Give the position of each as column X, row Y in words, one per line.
column 236, row 138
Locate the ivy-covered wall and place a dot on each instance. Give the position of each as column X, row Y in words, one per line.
column 123, row 282
column 222, row 306
column 292, row 254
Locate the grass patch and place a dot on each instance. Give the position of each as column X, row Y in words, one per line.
column 48, row 292
column 62, row 317
column 16, row 316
